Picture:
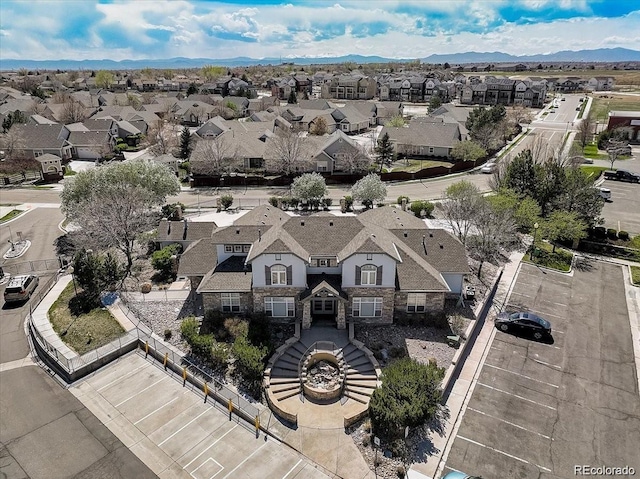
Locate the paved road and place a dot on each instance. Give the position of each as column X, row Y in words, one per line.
column 45, row 432
column 539, row 409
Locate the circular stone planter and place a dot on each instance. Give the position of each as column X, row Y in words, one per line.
column 322, row 376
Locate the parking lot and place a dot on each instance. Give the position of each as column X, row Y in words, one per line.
column 177, row 435
column 623, row 212
column 539, row 409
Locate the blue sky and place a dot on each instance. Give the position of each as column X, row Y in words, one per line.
column 139, row 29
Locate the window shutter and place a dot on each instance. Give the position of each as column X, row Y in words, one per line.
column 289, row 275
column 358, row 276
column 379, row 275
column 267, row 275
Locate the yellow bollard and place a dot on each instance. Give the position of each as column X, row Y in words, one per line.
column 257, row 423
column 166, row 358
column 184, row 377
column 146, row 349
column 230, row 405
column 206, row 392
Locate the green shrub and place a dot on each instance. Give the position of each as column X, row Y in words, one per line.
column 226, row 201
column 612, row 233
column 418, row 206
column 162, row 260
column 397, row 352
column 236, row 327
column 293, row 202
column 167, row 334
column 623, row 235
column 327, row 202
column 201, row 345
column 189, row 328
column 399, row 449
column 170, row 211
column 273, row 201
column 599, row 232
column 348, row 203
column 409, row 396
column 220, row 356
column 249, row 364
column 403, row 197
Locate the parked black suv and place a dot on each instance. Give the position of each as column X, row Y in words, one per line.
column 622, row 175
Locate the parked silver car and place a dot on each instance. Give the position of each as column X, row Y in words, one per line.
column 20, row 288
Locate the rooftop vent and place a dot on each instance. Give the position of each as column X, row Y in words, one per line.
column 405, row 234
column 424, row 244
column 330, row 223
column 237, row 231
column 430, row 235
column 302, row 223
column 441, row 246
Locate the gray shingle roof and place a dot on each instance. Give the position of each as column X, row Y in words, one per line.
column 238, row 234
column 229, row 276
column 423, row 133
column 40, row 136
column 450, row 258
column 198, row 259
column 175, row 230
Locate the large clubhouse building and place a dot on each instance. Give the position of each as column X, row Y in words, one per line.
column 379, row 265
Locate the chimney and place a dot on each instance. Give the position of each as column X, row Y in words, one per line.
column 424, row 244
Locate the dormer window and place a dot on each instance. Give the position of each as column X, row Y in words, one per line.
column 323, row 263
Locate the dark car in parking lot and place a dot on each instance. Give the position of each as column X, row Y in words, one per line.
column 524, row 322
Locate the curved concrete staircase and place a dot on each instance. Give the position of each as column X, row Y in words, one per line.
column 283, row 388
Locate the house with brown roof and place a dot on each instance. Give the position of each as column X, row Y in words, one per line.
column 372, row 268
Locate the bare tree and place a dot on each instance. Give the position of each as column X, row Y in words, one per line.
column 519, row 114
column 353, row 160
column 585, row 130
column 288, row 152
column 12, row 143
column 73, row 111
column 162, row 138
column 462, row 201
column 494, row 229
column 214, row 156
column 615, row 149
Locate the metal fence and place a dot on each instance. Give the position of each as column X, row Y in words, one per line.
column 26, row 267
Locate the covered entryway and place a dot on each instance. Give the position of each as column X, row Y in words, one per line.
column 323, row 302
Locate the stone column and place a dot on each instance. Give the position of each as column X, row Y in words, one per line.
column 306, row 315
column 340, row 317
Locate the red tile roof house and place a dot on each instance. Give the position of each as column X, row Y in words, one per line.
column 372, row 268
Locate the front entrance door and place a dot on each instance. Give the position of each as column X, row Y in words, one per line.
column 324, row 306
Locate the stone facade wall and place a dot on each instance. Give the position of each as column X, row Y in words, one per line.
column 260, row 293
column 388, row 301
column 434, row 304
column 213, row 302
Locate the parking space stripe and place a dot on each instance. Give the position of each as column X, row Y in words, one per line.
column 186, row 425
column 291, row 470
column 521, row 375
column 123, row 376
column 515, row 395
column 245, row 460
column 509, row 423
column 208, row 459
column 210, row 446
column 153, row 412
column 142, row 390
column 503, row 453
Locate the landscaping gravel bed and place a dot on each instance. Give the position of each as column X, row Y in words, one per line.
column 164, row 316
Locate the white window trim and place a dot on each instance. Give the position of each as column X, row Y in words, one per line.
column 228, row 248
column 271, row 301
column 368, row 275
column 230, row 302
column 278, row 275
column 375, row 302
column 416, row 302
column 237, row 248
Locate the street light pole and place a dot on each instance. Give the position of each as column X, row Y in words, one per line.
column 535, row 233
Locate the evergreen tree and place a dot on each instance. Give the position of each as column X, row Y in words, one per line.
column 384, row 151
column 185, row 143
column 293, row 99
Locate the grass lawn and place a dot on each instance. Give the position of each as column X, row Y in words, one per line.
column 543, row 256
column 593, row 171
column 85, row 332
column 635, row 275
column 417, row 165
column 602, row 106
column 591, row 151
column 10, row 215
column 68, row 171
